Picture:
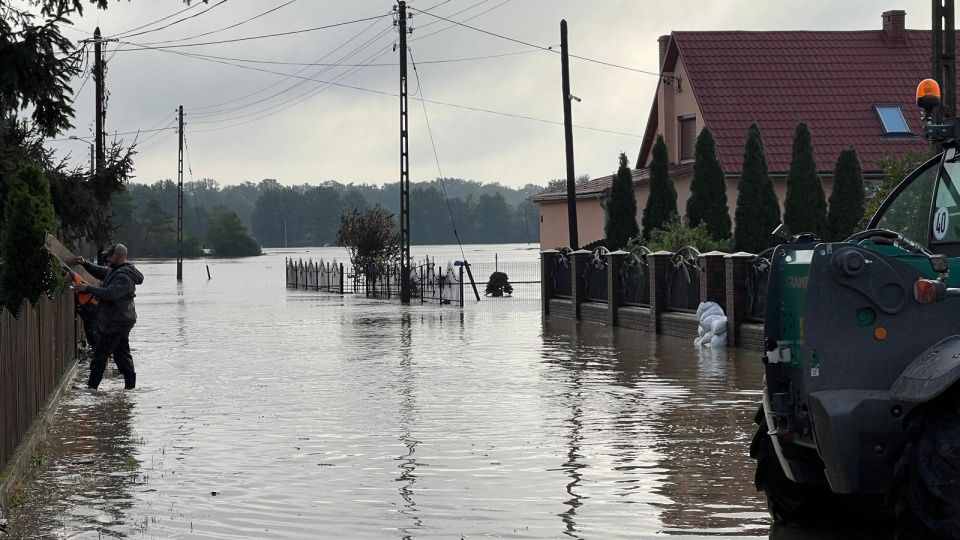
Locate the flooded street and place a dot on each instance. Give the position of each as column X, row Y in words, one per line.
column 264, row 412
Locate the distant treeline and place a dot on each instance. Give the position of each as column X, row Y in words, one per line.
column 309, row 215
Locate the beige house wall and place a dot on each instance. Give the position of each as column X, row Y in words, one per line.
column 672, row 105
column 555, row 228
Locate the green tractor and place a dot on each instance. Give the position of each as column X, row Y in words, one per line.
column 861, row 398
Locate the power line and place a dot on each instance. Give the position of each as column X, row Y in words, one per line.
column 436, row 155
column 225, row 28
column 184, row 10
column 489, row 33
column 465, row 107
column 218, row 4
column 319, row 73
column 264, row 36
column 344, row 44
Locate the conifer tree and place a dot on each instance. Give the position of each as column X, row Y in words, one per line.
column 758, row 208
column 621, row 208
column 708, row 189
column 805, row 207
column 847, row 199
column 662, row 198
column 28, row 270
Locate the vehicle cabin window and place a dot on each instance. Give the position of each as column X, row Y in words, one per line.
column 910, row 212
column 945, row 224
column 892, row 120
column 688, row 136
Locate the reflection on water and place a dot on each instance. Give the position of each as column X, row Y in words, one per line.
column 88, row 475
column 272, row 413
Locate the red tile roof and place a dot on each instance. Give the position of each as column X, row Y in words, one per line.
column 601, row 186
column 831, row 80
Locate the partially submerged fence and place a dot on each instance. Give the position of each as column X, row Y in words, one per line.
column 657, row 292
column 430, row 281
column 36, row 349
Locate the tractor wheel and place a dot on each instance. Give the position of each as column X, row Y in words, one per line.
column 791, row 503
column 926, row 492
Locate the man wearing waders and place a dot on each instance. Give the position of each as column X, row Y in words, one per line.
column 116, row 315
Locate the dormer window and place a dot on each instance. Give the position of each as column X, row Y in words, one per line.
column 892, row 120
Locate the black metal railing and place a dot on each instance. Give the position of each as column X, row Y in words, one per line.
column 595, row 276
column 758, row 279
column 560, row 272
column 683, row 280
column 635, row 278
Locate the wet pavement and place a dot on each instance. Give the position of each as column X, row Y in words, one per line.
column 269, row 413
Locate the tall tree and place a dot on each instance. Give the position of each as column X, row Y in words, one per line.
column 847, row 199
column 708, row 189
column 621, row 208
column 805, row 207
column 28, row 271
column 758, row 208
column 662, row 199
column 228, row 235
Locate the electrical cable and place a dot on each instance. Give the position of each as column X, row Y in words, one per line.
column 127, row 36
column 344, row 44
column 225, row 28
column 184, row 10
column 317, row 74
column 489, row 33
column 263, row 36
column 380, row 92
column 436, row 156
column 186, row 148
column 305, row 95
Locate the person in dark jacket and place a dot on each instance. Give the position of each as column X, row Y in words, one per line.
column 116, row 314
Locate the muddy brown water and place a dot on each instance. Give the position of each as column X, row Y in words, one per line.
column 269, row 413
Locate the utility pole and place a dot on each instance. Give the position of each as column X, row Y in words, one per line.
column 943, row 58
column 568, row 136
column 180, row 201
column 404, row 160
column 99, row 91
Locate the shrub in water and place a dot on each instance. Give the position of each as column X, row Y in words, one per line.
column 498, row 285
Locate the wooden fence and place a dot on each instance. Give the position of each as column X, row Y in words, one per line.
column 36, row 349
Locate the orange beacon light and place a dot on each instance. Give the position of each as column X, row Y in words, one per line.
column 928, row 96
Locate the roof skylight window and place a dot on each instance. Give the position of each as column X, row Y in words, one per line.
column 892, row 120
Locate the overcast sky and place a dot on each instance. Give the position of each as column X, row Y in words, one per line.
column 247, row 125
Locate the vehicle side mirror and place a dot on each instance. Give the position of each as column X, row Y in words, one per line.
column 783, row 232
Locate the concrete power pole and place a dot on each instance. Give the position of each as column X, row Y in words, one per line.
column 99, row 91
column 180, row 200
column 404, row 160
column 568, row 137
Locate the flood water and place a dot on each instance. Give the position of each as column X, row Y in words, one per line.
column 263, row 412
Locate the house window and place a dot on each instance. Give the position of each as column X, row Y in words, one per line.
column 688, row 136
column 892, row 120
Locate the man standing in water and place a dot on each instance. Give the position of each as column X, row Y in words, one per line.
column 116, row 315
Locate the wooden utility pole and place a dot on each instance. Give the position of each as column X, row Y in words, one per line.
column 568, row 136
column 180, row 199
column 99, row 91
column 404, row 160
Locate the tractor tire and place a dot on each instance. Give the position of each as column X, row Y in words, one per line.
column 811, row 506
column 926, row 490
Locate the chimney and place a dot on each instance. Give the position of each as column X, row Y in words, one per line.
column 894, row 27
column 663, row 41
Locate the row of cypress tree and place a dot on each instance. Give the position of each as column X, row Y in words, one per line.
column 758, row 208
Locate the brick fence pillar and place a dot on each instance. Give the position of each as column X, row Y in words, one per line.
column 614, row 285
column 658, row 263
column 738, row 303
column 713, row 278
column 578, row 263
column 547, row 263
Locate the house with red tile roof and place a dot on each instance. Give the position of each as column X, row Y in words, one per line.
column 851, row 87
